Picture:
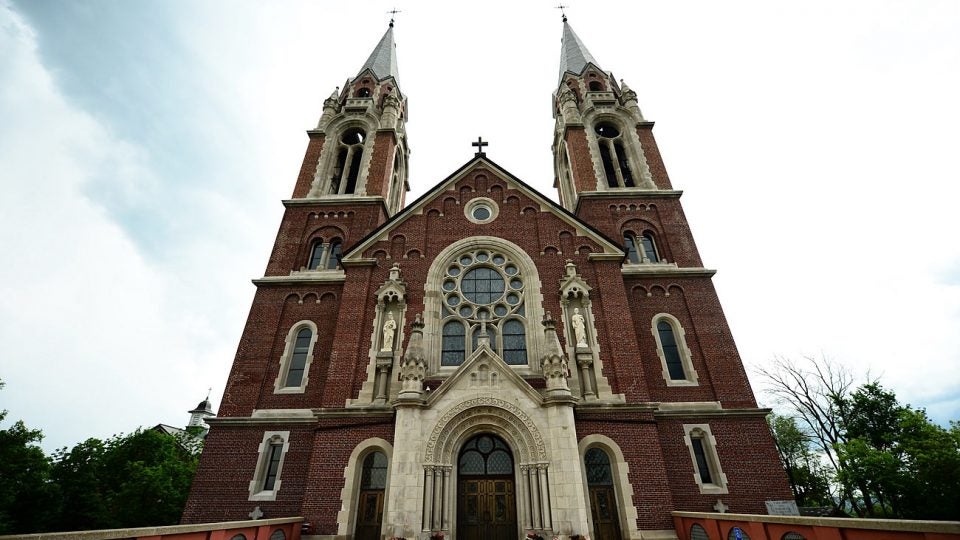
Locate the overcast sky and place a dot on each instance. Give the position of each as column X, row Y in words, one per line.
column 145, row 148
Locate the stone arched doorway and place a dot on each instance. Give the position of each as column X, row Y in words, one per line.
column 486, row 495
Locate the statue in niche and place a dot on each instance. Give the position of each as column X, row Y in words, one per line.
column 579, row 328
column 389, row 328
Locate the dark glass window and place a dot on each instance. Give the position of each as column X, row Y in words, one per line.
column 485, row 454
column 595, row 86
column 299, row 360
column 631, row 246
column 363, row 92
column 670, row 351
column 482, row 285
column 278, row 535
column 316, row 255
column 649, row 247
column 514, row 343
column 273, row 467
column 608, row 169
column 334, row 259
column 698, row 533
column 454, row 350
column 374, row 471
column 703, row 466
column 598, row 468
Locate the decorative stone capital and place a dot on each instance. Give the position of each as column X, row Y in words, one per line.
column 567, row 102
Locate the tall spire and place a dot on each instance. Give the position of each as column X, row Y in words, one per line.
column 383, row 59
column 573, row 53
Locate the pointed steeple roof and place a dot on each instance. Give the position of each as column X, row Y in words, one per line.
column 383, row 59
column 573, row 53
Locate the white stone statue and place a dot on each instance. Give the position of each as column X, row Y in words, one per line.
column 389, row 328
column 579, row 328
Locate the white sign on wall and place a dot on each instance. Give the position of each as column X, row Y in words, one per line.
column 783, row 508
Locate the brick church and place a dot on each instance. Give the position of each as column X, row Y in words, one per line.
column 483, row 361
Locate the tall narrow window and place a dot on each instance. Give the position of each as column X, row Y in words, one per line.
column 373, row 484
column 347, row 168
column 613, row 154
column 316, row 255
column 603, row 501
column 707, row 472
column 454, row 350
column 631, row 247
column 514, row 343
column 299, row 360
column 649, row 247
column 334, row 259
column 671, row 352
column 273, row 466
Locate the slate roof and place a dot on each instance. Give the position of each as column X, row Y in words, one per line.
column 383, row 59
column 573, row 53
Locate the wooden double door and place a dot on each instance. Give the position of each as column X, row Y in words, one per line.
column 486, row 509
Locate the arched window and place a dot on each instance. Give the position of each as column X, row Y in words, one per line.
column 595, row 86
column 324, row 256
column 347, row 169
column 706, row 462
column 616, row 165
column 630, row 246
column 295, row 361
column 363, row 93
column 454, row 350
column 698, row 533
column 649, row 247
column 514, row 343
column 483, row 290
column 603, row 501
column 672, row 349
column 736, row 533
column 316, row 254
column 299, row 360
column 671, row 352
column 266, row 478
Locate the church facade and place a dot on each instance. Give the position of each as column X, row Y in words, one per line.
column 483, row 361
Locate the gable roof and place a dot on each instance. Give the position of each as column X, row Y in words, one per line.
column 479, row 356
column 416, row 207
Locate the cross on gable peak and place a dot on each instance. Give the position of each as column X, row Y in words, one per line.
column 480, row 144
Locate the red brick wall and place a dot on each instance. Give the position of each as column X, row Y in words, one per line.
column 309, row 167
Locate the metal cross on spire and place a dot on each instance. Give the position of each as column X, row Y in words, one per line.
column 480, row 144
column 561, row 7
column 393, row 12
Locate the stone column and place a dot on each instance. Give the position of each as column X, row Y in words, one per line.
column 544, row 496
column 535, row 499
column 585, row 361
column 437, row 498
column 447, row 503
column 523, row 498
column 427, row 497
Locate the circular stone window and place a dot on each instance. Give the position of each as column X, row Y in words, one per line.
column 481, row 210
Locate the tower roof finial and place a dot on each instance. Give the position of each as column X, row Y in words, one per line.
column 562, row 7
column 393, row 12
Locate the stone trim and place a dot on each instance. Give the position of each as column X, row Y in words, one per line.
column 287, row 357
column 347, row 516
column 652, row 270
column 712, row 413
column 718, row 486
column 263, row 457
column 334, row 200
column 477, row 201
column 146, row 532
column 622, row 486
column 307, row 277
column 912, row 525
column 631, row 193
column 686, row 356
column 280, row 414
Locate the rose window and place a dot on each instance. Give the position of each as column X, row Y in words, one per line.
column 483, row 291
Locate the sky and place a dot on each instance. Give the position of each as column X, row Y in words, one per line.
column 145, row 147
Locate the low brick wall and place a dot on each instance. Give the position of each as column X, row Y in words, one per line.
column 264, row 529
column 760, row 527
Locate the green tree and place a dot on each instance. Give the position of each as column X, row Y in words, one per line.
column 27, row 497
column 133, row 480
column 809, row 478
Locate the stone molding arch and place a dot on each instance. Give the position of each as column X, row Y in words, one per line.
column 485, row 413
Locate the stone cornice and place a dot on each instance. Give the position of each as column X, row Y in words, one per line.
column 946, row 527
column 604, row 257
column 645, row 123
column 630, row 193
column 656, row 270
column 701, row 413
column 299, row 416
column 303, row 278
column 335, row 200
column 358, row 262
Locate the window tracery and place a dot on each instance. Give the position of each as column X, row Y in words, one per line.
column 613, row 154
column 347, row 167
column 483, row 291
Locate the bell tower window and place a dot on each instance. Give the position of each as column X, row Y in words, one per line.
column 616, row 165
column 347, row 169
column 324, row 256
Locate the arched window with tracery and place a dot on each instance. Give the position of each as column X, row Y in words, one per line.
column 324, row 255
column 483, row 293
column 613, row 155
column 347, row 167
